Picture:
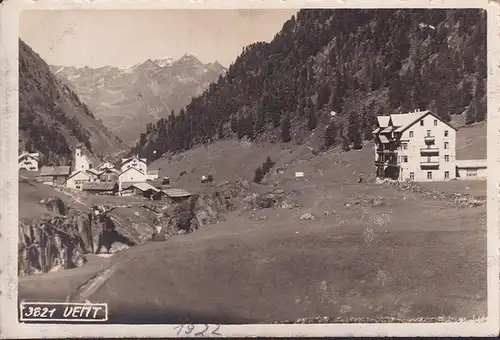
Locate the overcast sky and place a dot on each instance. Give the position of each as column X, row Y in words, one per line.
column 121, row 38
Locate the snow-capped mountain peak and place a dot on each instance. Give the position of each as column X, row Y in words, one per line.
column 165, row 61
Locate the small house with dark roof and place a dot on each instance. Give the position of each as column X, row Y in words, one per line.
column 139, row 189
column 101, row 188
column 51, row 175
column 109, row 175
column 177, row 195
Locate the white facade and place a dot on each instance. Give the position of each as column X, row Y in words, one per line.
column 29, row 161
column 131, row 175
column 82, row 162
column 135, row 162
column 77, row 178
column 416, row 146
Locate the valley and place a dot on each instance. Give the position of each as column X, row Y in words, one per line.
column 334, row 173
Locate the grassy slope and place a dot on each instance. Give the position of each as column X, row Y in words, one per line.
column 244, row 270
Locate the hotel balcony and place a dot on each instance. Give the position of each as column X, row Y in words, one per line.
column 390, row 162
column 386, row 151
column 429, row 164
column 429, row 151
column 429, row 139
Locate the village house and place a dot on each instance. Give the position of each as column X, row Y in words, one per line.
column 101, row 188
column 139, row 189
column 79, row 177
column 29, row 161
column 135, row 162
column 416, row 146
column 94, row 172
column 109, row 175
column 160, row 183
column 472, row 169
column 130, row 176
column 177, row 195
column 54, row 175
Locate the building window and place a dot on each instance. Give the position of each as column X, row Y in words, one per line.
column 446, row 144
column 412, row 176
column 435, row 122
column 411, row 134
column 405, row 146
column 446, row 174
column 446, row 158
column 428, row 133
column 78, row 187
column 429, row 174
column 471, row 172
column 421, row 123
column 446, row 133
column 405, row 159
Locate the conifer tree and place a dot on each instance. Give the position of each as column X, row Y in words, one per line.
column 330, row 135
column 285, row 130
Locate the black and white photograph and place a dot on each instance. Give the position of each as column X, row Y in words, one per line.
column 207, row 168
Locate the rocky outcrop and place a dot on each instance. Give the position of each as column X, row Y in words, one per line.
column 61, row 242
column 270, row 200
column 459, row 199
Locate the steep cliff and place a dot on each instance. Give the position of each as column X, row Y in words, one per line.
column 52, row 118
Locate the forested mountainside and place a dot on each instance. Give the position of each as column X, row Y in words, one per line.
column 126, row 99
column 52, row 119
column 357, row 63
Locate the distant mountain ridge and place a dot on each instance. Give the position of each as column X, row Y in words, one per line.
column 127, row 99
column 53, row 119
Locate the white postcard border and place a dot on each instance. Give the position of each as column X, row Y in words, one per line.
column 9, row 324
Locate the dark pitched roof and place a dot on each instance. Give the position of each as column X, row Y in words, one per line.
column 55, row 171
column 176, row 192
column 142, row 186
column 99, row 186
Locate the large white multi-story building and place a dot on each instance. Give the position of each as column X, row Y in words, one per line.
column 416, row 146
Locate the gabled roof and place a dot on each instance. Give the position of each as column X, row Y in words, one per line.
column 383, row 121
column 142, row 186
column 95, row 171
column 404, row 119
column 176, row 192
column 411, row 118
column 33, row 155
column 99, row 186
column 55, row 171
column 130, row 159
column 74, row 173
column 130, row 169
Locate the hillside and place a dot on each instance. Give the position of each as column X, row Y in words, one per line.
column 357, row 63
column 52, row 118
column 127, row 99
column 358, row 255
